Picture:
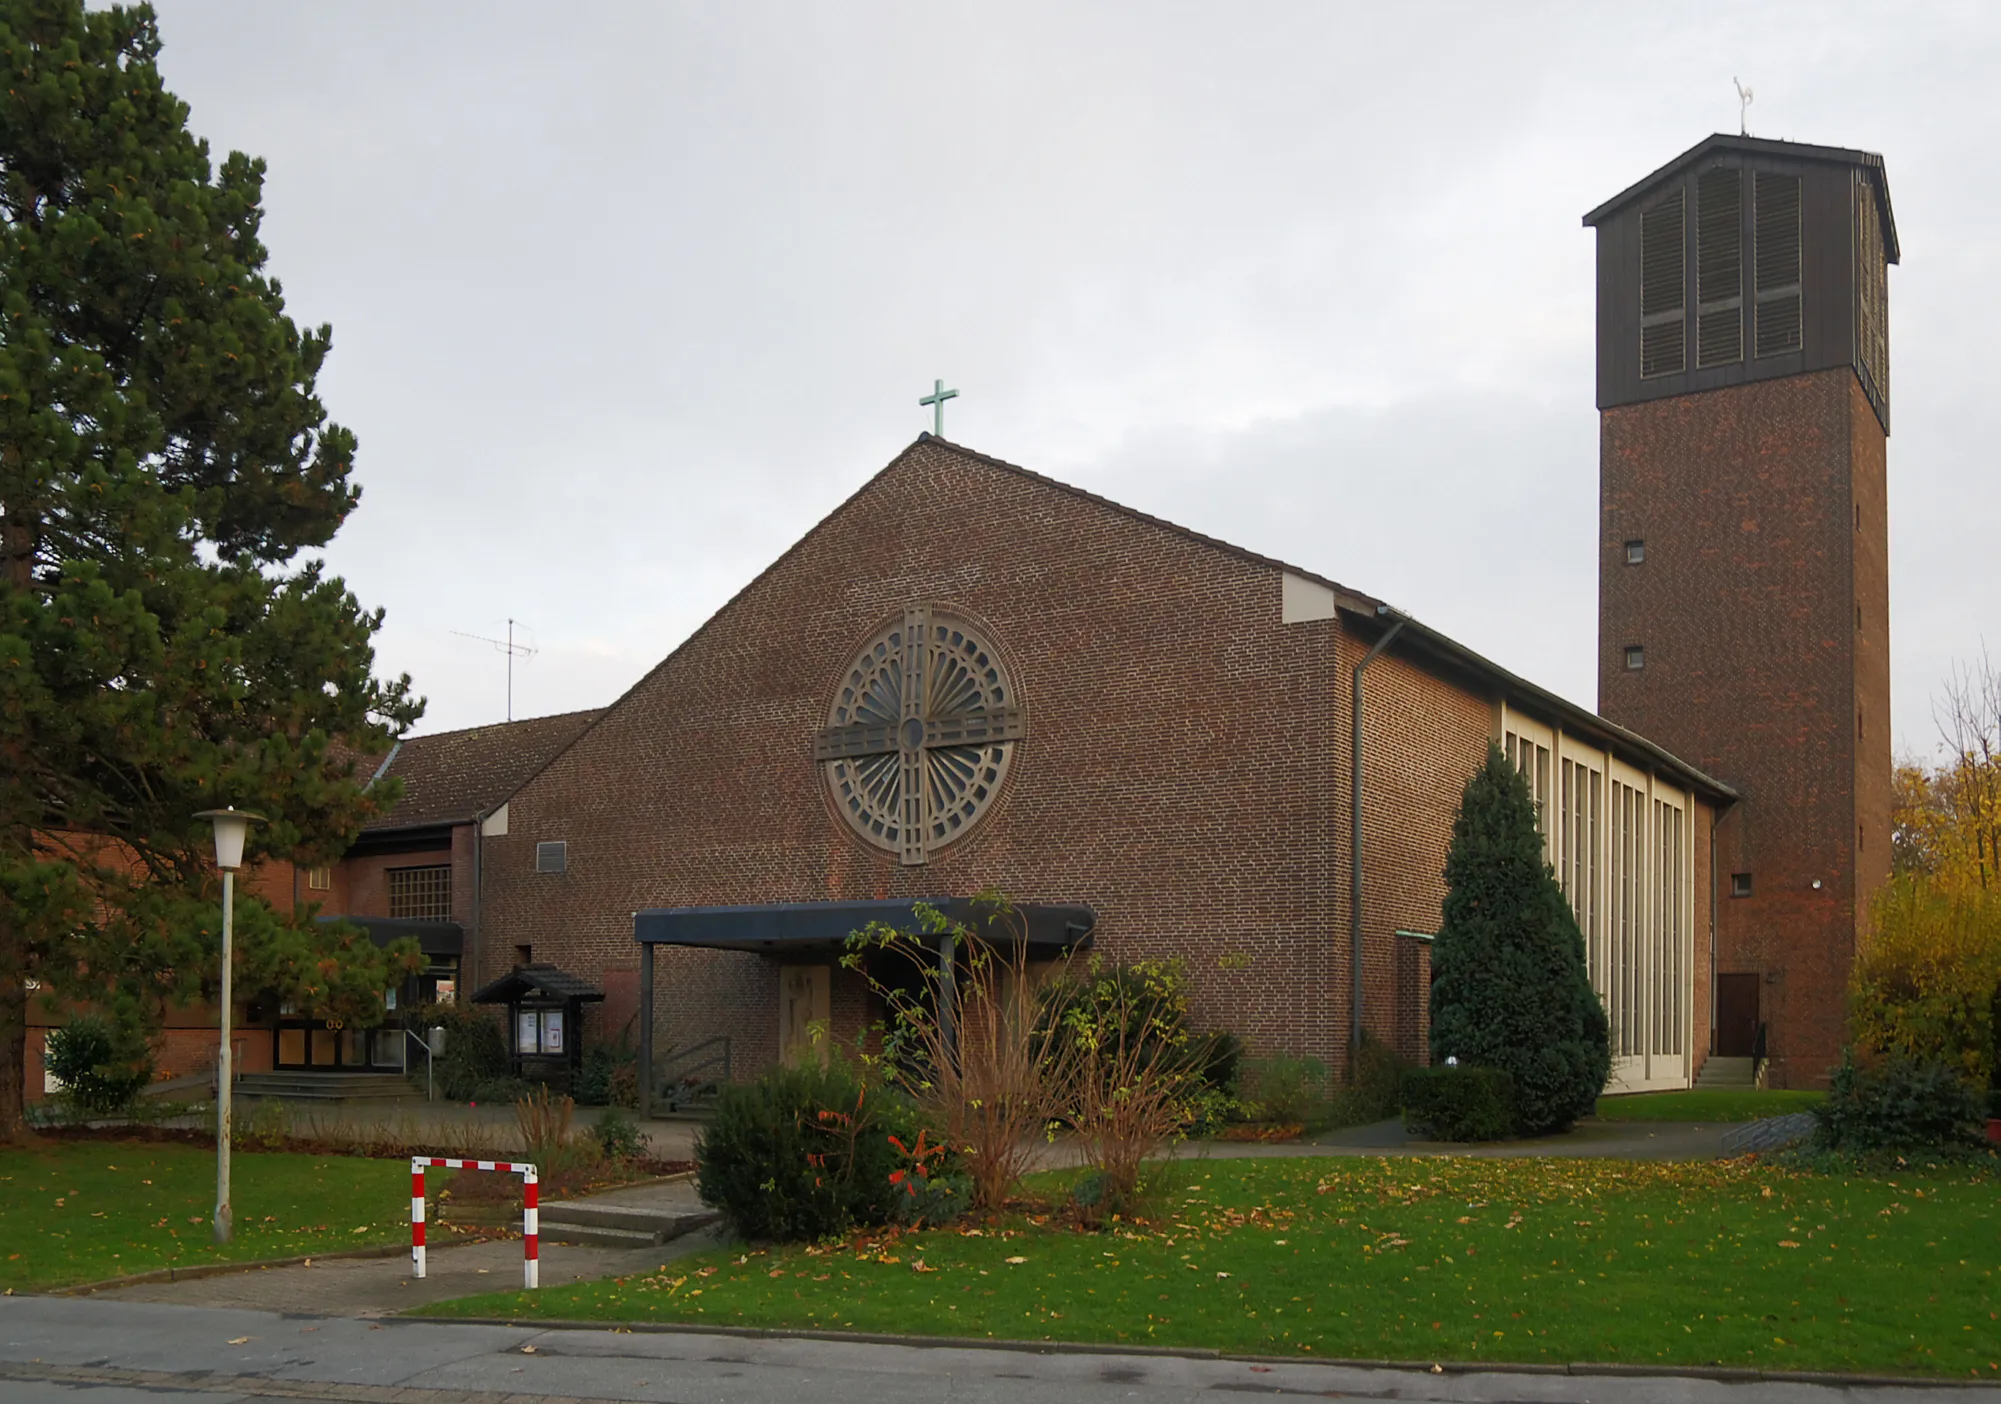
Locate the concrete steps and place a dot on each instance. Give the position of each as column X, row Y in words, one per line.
column 325, row 1086
column 1727, row 1072
column 620, row 1225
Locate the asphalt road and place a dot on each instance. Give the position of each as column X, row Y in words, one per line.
column 56, row 1350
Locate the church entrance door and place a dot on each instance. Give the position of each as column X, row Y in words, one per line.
column 1736, row 1015
column 804, row 999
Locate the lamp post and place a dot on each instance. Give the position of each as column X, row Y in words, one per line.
column 232, row 825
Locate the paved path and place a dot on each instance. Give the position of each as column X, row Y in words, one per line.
column 102, row 1352
column 1619, row 1140
column 375, row 1287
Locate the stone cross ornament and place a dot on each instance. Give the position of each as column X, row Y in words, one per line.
column 921, row 734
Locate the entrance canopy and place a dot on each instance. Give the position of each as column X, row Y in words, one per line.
column 800, row 928
column 434, row 938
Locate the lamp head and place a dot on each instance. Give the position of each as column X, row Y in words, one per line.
column 232, row 826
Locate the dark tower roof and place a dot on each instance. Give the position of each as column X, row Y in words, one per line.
column 1762, row 146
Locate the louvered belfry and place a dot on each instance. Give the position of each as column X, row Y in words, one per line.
column 1773, row 249
column 1744, row 391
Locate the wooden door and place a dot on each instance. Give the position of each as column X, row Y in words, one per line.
column 1736, row 1015
column 803, row 1001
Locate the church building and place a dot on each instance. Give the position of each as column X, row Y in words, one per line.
column 973, row 677
column 970, row 676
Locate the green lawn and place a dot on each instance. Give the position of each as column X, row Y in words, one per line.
column 1553, row 1260
column 80, row 1211
column 1712, row 1104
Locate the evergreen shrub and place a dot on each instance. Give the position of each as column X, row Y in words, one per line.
column 598, row 1082
column 1459, row 1103
column 103, row 1068
column 1286, row 1090
column 1509, row 988
column 1901, row 1106
column 619, row 1136
column 474, row 1065
column 1376, row 1093
column 804, row 1152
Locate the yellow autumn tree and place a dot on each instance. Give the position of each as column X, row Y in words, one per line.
column 1927, row 982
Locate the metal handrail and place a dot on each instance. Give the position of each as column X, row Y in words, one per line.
column 430, row 1062
column 1758, row 1053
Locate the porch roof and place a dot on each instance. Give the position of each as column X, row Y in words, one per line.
column 526, row 982
column 433, row 938
column 780, row 928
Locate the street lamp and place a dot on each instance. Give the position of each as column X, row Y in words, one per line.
column 232, row 825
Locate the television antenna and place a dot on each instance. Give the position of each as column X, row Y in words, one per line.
column 1743, row 108
column 513, row 651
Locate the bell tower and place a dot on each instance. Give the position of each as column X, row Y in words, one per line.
column 1743, row 553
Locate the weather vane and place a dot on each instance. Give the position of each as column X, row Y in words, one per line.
column 1743, row 108
column 936, row 399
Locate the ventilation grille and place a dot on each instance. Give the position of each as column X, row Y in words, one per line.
column 1719, row 267
column 1778, row 257
column 552, row 857
column 1663, row 287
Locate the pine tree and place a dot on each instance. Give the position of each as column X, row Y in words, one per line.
column 164, row 460
column 1510, row 990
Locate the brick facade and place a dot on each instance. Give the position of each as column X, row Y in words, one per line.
column 1763, row 609
column 1185, row 768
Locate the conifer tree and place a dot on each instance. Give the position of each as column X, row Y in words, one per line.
column 1510, row 990
column 164, row 459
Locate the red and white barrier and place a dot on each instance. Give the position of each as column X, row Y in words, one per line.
column 531, row 1227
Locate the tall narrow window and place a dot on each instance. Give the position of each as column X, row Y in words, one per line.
column 1663, row 287
column 1777, row 211
column 1719, row 267
column 1872, row 289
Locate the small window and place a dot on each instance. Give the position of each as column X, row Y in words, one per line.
column 1858, row 617
column 319, row 879
column 1636, row 658
column 1740, row 884
column 552, row 857
column 524, row 955
column 1636, row 551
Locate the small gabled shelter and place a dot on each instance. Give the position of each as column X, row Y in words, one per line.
column 545, row 1019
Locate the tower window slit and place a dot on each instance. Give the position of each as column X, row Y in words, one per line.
column 1776, row 209
column 1663, row 287
column 1719, row 267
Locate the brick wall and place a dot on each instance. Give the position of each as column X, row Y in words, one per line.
column 1756, row 670
column 1185, row 770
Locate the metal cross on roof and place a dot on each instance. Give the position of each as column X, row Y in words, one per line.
column 936, row 399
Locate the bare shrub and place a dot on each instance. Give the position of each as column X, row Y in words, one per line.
column 548, row 1136
column 965, row 1039
column 1130, row 1076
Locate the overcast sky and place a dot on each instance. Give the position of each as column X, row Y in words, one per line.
column 626, row 297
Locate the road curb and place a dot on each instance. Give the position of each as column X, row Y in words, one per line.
column 1720, row 1374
